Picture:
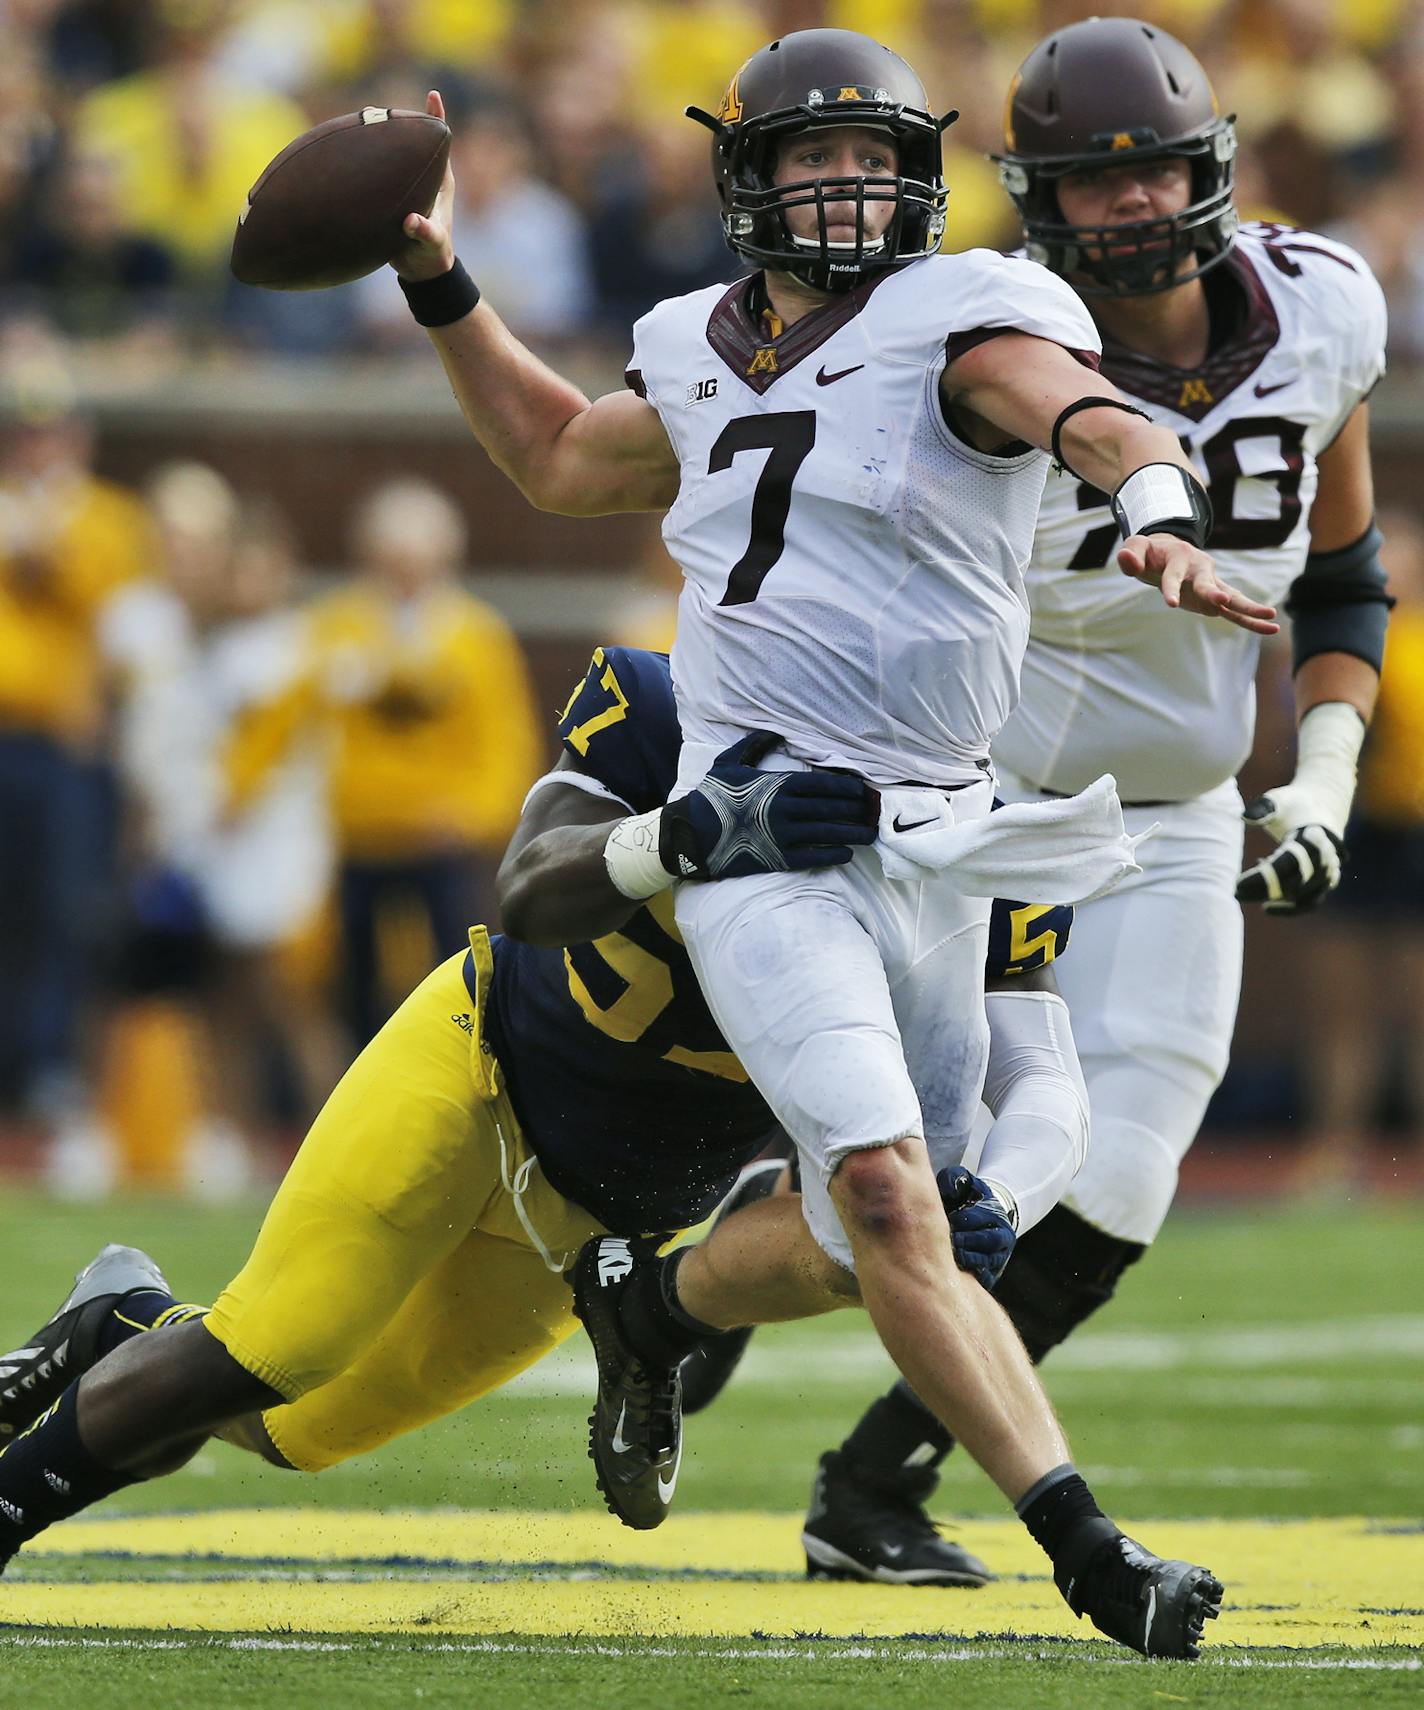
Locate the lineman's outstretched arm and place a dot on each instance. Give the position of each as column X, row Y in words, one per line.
column 1339, row 608
column 1017, row 387
column 564, row 453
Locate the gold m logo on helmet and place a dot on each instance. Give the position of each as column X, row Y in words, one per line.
column 730, row 112
column 849, row 93
column 764, row 362
column 1194, row 392
column 1123, row 139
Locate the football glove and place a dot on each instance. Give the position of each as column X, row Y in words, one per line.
column 980, row 1229
column 1307, row 816
column 740, row 821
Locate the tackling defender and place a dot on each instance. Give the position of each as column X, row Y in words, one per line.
column 522, row 1098
column 853, row 568
column 1259, row 347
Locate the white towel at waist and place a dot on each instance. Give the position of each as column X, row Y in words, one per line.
column 1067, row 850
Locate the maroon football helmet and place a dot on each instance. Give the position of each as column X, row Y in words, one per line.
column 802, row 82
column 1106, row 92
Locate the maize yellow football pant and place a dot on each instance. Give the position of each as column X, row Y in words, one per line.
column 404, row 1267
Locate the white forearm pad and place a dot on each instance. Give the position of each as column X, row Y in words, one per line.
column 631, row 856
column 1034, row 1087
column 1327, row 753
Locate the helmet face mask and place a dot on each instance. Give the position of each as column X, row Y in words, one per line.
column 1113, row 92
column 812, row 81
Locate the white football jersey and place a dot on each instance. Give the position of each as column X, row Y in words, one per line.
column 1114, row 681
column 853, row 570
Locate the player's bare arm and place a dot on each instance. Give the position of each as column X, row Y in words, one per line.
column 1016, row 387
column 1338, row 610
column 564, row 452
column 553, row 884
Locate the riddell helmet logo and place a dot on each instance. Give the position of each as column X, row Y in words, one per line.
column 730, row 112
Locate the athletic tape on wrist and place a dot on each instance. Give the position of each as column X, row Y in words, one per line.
column 632, row 859
column 1162, row 498
column 439, row 302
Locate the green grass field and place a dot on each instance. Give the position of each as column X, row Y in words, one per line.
column 1253, row 1395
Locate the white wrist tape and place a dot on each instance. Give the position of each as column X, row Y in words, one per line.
column 631, row 856
column 1327, row 753
column 1152, row 497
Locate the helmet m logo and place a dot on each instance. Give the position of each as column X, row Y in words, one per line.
column 1122, row 139
column 849, row 93
column 764, row 362
column 730, row 112
column 1194, row 392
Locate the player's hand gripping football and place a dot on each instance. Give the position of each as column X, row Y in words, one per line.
column 429, row 249
column 740, row 821
column 1187, row 578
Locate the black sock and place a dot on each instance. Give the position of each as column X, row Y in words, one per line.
column 47, row 1474
column 654, row 1323
column 1065, row 1522
column 144, row 1309
column 896, row 1432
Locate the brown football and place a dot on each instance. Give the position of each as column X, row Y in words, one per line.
column 330, row 207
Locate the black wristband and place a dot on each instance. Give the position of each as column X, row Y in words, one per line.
column 438, row 302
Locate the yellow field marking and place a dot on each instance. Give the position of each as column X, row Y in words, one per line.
column 1295, row 1583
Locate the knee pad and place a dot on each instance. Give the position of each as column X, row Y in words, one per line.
column 1061, row 1272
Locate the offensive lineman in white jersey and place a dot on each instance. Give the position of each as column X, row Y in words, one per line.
column 1259, row 347
column 853, row 561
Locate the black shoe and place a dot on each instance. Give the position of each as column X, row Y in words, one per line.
column 1153, row 1606
column 35, row 1376
column 635, row 1429
column 707, row 1370
column 859, row 1528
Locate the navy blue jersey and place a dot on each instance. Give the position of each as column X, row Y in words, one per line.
column 622, row 1083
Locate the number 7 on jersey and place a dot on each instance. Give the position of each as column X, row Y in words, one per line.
column 788, row 436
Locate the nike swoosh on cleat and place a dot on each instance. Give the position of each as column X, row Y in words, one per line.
column 1151, row 1617
column 666, row 1486
column 620, row 1445
column 824, row 379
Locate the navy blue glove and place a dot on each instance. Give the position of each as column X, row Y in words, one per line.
column 739, row 821
column 982, row 1236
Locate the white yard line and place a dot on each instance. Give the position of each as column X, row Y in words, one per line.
column 763, row 1653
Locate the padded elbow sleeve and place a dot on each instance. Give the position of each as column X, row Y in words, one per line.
column 1339, row 603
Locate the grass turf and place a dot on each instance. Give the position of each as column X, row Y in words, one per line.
column 1256, row 1365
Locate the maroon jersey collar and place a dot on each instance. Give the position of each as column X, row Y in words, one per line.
column 738, row 334
column 1193, row 392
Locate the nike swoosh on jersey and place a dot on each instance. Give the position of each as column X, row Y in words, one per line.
column 824, row 379
column 1265, row 391
column 915, row 825
column 620, row 1444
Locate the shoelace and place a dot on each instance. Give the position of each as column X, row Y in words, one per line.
column 659, row 1412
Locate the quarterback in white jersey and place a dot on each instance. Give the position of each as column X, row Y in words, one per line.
column 850, row 446
column 1259, row 348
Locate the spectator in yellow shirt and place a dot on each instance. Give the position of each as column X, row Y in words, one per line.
column 435, row 736
column 67, row 541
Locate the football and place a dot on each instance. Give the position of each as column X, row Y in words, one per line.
column 330, row 207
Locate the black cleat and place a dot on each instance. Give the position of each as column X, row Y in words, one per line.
column 863, row 1526
column 33, row 1377
column 635, row 1429
column 1156, row 1607
column 707, row 1370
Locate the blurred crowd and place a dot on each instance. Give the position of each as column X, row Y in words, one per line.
column 238, row 820
column 130, row 131
column 243, row 808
